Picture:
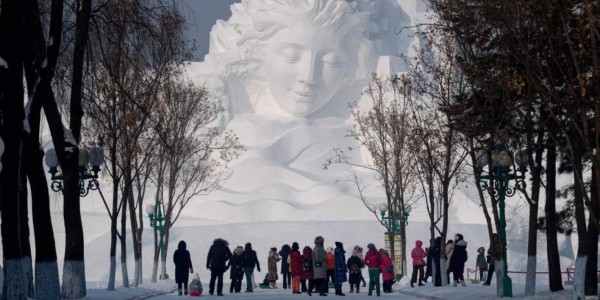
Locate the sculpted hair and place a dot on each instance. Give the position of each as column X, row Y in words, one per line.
column 254, row 22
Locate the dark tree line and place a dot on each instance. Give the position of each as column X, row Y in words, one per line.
column 534, row 68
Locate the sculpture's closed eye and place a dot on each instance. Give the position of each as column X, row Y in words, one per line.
column 290, row 54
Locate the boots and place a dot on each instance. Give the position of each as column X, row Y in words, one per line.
column 463, row 283
column 455, row 283
column 412, row 284
column 179, row 290
column 185, row 292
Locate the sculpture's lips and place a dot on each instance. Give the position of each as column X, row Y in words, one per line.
column 303, row 94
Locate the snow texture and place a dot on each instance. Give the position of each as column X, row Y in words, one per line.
column 3, row 63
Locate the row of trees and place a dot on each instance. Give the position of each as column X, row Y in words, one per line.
column 484, row 69
column 108, row 73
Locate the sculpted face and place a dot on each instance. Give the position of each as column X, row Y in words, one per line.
column 305, row 66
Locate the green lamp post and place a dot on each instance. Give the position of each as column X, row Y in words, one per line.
column 396, row 220
column 499, row 175
column 156, row 221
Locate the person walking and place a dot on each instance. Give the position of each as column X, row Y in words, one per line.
column 481, row 263
column 340, row 268
column 285, row 266
column 296, row 268
column 330, row 268
column 319, row 258
column 373, row 260
column 459, row 257
column 448, row 250
column 359, row 250
column 354, row 265
column 307, row 271
column 216, row 261
column 272, row 267
column 418, row 257
column 183, row 267
column 492, row 257
column 249, row 261
column 236, row 270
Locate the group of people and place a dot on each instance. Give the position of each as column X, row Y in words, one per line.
column 308, row 272
column 455, row 255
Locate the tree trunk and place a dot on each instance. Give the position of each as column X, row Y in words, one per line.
column 591, row 273
column 123, row 238
column 582, row 255
column 156, row 255
column 11, row 108
column 113, row 216
column 135, row 234
column 554, row 273
column 531, row 250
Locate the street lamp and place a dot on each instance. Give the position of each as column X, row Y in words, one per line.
column 500, row 175
column 400, row 220
column 397, row 217
column 156, row 221
column 87, row 160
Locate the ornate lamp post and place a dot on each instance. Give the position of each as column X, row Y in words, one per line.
column 156, row 221
column 88, row 161
column 499, row 174
column 397, row 217
column 396, row 220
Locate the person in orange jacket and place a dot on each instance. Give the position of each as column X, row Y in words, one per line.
column 330, row 267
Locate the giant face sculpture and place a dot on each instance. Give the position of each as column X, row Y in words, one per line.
column 305, row 66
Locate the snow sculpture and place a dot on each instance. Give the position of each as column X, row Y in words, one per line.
column 286, row 71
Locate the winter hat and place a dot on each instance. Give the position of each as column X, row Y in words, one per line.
column 339, row 245
column 273, row 248
column 419, row 243
column 239, row 250
column 329, row 249
column 196, row 277
column 319, row 240
column 248, row 246
column 458, row 236
column 295, row 246
column 371, row 246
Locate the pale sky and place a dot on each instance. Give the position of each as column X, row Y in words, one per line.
column 201, row 16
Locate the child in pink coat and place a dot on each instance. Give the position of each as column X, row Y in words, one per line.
column 387, row 271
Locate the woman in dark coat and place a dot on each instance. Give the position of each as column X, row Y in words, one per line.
column 340, row 268
column 285, row 266
column 183, row 267
column 355, row 266
column 307, row 270
column 458, row 259
column 236, row 273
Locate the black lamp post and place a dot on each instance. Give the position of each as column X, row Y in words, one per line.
column 88, row 161
column 500, row 175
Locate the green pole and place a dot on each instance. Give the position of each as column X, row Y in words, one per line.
column 502, row 207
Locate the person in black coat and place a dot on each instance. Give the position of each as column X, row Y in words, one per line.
column 249, row 261
column 218, row 255
column 285, row 266
column 183, row 265
column 458, row 259
column 236, row 272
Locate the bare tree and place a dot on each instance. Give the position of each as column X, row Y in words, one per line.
column 383, row 130
column 437, row 81
column 192, row 154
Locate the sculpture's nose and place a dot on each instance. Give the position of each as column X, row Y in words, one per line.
column 308, row 70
